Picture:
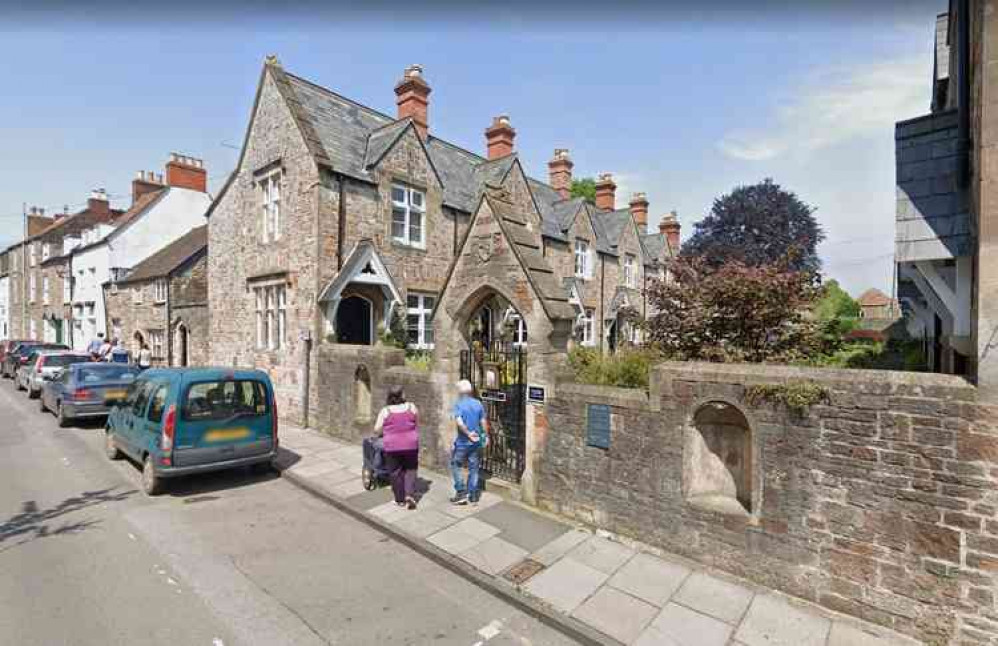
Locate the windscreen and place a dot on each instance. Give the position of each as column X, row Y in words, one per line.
column 61, row 360
column 214, row 400
column 96, row 374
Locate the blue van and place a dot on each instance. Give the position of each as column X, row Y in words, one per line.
column 179, row 421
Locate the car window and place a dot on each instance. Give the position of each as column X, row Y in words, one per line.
column 62, row 360
column 141, row 399
column 212, row 400
column 158, row 403
column 106, row 372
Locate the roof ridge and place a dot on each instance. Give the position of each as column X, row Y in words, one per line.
column 387, row 125
column 340, row 96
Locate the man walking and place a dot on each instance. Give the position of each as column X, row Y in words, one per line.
column 93, row 349
column 472, row 437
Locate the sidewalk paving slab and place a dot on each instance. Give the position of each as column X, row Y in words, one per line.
column 593, row 587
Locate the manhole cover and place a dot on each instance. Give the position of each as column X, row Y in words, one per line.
column 521, row 572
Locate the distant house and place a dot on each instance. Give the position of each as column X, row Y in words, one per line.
column 874, row 304
column 161, row 212
column 163, row 302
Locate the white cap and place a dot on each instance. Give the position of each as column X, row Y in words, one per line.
column 464, row 387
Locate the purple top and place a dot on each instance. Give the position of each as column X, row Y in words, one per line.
column 401, row 432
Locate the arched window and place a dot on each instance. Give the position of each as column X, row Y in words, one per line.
column 719, row 462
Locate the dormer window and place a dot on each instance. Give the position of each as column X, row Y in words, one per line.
column 583, row 266
column 270, row 190
column 408, row 216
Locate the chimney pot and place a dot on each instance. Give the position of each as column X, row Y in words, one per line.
column 499, row 137
column 670, row 228
column 560, row 173
column 411, row 97
column 639, row 209
column 606, row 190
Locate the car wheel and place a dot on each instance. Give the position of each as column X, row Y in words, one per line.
column 18, row 383
column 32, row 393
column 64, row 420
column 110, row 448
column 41, row 405
column 152, row 484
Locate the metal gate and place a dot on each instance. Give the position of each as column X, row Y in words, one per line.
column 500, row 378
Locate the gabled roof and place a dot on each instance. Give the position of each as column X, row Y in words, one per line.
column 657, row 247
column 145, row 202
column 363, row 265
column 171, row 257
column 873, row 297
column 380, row 141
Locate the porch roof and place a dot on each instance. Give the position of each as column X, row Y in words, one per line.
column 363, row 265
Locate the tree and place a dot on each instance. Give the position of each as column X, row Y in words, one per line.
column 835, row 303
column 757, row 225
column 584, row 187
column 734, row 312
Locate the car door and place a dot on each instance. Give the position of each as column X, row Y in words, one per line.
column 129, row 425
column 151, row 423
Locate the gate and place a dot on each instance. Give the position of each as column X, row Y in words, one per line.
column 500, row 378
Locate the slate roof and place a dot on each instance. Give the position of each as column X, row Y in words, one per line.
column 350, row 138
column 169, row 258
column 873, row 297
column 657, row 247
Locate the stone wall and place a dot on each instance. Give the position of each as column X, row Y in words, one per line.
column 879, row 503
column 126, row 318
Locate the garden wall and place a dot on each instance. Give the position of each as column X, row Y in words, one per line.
column 879, row 502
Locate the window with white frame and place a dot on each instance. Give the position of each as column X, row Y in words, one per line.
column 270, row 191
column 137, row 294
column 419, row 325
column 45, row 290
column 582, row 268
column 630, row 271
column 46, row 251
column 586, row 321
column 408, row 215
column 32, row 287
column 67, row 289
column 271, row 316
column 159, row 291
column 519, row 329
column 156, row 343
column 34, row 330
column 32, row 251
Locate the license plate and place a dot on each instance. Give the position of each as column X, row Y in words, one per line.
column 221, row 435
column 114, row 394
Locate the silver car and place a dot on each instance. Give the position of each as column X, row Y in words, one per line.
column 42, row 365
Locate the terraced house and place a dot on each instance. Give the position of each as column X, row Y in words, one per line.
column 340, row 219
column 19, row 272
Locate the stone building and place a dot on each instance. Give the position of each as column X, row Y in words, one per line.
column 874, row 304
column 161, row 212
column 945, row 216
column 163, row 301
column 340, row 218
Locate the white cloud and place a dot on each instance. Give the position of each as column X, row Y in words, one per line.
column 835, row 105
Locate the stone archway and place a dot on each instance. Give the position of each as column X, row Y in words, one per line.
column 182, row 345
column 718, row 460
column 355, row 321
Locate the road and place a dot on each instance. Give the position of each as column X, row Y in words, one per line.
column 235, row 558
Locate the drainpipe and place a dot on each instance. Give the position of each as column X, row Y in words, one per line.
column 963, row 92
column 602, row 303
column 169, row 325
column 341, row 223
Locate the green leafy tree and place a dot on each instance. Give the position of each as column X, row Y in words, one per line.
column 734, row 312
column 835, row 302
column 758, row 225
column 584, row 187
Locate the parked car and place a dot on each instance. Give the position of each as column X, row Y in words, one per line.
column 44, row 361
column 83, row 390
column 180, row 421
column 16, row 356
column 7, row 346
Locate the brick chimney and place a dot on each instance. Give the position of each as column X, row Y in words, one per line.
column 499, row 137
column 560, row 173
column 186, row 172
column 606, row 191
column 145, row 182
column 670, row 227
column 639, row 209
column 411, row 97
column 98, row 203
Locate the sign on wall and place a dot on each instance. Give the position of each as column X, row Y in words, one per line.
column 535, row 394
column 598, row 426
column 494, row 395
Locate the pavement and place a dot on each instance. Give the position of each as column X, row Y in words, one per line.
column 596, row 587
column 223, row 559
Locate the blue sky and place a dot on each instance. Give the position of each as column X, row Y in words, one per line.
column 681, row 109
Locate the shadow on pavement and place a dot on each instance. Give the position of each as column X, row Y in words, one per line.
column 33, row 523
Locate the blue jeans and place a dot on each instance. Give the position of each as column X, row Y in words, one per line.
column 472, row 454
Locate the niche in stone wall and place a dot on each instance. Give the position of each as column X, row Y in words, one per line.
column 362, row 395
column 717, row 460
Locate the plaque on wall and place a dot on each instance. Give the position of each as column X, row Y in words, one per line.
column 598, row 426
column 494, row 395
column 535, row 394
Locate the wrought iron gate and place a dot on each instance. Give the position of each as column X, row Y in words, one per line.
column 500, row 378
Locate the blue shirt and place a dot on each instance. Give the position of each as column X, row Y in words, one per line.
column 470, row 411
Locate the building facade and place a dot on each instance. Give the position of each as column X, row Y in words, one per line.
column 163, row 302
column 161, row 212
column 340, row 225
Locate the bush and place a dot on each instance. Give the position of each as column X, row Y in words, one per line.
column 419, row 360
column 628, row 368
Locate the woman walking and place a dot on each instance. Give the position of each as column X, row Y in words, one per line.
column 398, row 422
